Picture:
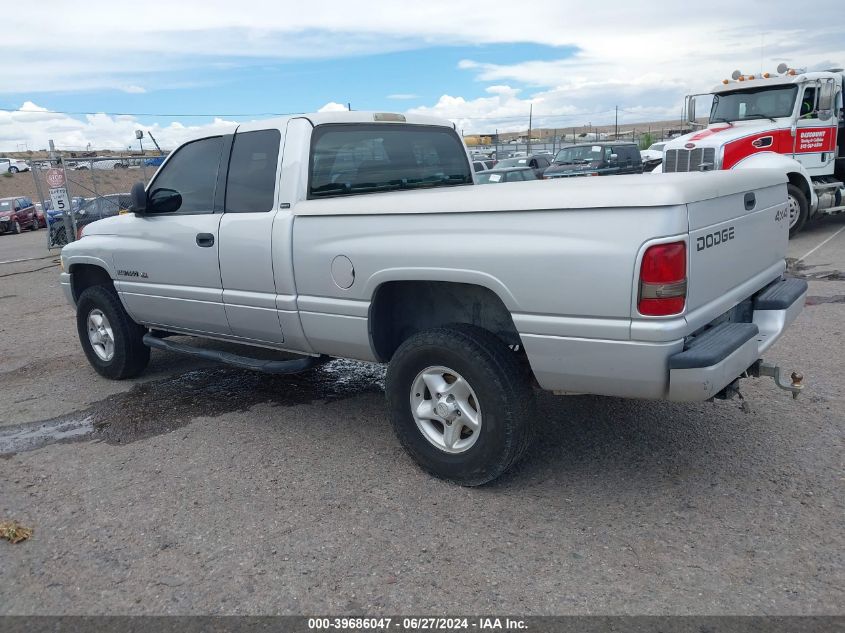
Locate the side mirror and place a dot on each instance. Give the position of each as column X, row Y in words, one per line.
column 138, row 197
column 826, row 96
column 691, row 109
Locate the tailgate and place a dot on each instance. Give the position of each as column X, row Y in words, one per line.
column 733, row 238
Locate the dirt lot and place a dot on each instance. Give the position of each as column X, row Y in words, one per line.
column 80, row 183
column 201, row 489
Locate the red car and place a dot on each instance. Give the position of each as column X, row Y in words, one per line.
column 17, row 214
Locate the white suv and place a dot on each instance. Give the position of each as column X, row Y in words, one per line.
column 13, row 165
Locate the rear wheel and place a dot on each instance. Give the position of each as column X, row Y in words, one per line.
column 461, row 403
column 111, row 340
column 35, row 226
column 797, row 208
column 13, row 170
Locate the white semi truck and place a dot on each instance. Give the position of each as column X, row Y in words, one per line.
column 791, row 121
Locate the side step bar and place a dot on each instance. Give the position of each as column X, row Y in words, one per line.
column 293, row 366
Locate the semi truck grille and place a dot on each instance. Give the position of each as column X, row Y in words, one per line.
column 689, row 159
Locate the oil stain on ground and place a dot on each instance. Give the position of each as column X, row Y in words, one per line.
column 799, row 269
column 161, row 406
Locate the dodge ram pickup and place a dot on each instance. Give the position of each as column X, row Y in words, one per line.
column 362, row 235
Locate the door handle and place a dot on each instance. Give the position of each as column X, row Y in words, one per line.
column 205, row 239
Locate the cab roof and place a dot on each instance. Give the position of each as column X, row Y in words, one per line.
column 779, row 80
column 344, row 116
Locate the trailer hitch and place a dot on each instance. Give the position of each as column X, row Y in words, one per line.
column 761, row 368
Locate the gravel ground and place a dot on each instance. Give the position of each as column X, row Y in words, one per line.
column 201, row 489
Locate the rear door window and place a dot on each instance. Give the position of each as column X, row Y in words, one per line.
column 349, row 159
column 251, row 184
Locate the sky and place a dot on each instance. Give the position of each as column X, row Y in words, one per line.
column 92, row 72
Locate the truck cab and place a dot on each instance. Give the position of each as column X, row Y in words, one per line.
column 791, row 121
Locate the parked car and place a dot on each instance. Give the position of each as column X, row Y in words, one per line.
column 533, row 161
column 386, row 251
column 653, row 156
column 14, row 165
column 156, row 161
column 483, row 165
column 110, row 163
column 505, row 174
column 596, row 159
column 17, row 214
column 40, row 215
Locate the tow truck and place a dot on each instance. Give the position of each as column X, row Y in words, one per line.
column 791, row 121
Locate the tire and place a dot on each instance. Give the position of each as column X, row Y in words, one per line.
column 13, row 170
column 35, row 226
column 797, row 209
column 501, row 401
column 129, row 355
column 16, row 227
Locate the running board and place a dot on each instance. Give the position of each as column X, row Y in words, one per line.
column 294, row 366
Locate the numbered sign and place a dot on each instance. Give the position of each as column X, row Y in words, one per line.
column 59, row 198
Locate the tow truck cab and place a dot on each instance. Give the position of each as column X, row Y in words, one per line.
column 792, row 120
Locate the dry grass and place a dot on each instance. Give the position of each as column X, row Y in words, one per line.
column 81, row 183
column 14, row 532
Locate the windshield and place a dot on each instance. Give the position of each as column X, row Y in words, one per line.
column 513, row 162
column 580, row 154
column 760, row 103
column 5, row 205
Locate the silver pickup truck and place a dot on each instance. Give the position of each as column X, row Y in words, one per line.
column 362, row 235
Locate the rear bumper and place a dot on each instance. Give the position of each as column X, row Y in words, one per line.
column 682, row 370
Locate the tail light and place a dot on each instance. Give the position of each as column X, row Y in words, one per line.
column 663, row 280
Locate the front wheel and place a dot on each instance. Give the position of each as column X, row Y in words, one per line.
column 461, row 403
column 16, row 227
column 111, row 340
column 797, row 208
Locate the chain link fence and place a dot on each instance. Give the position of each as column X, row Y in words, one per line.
column 97, row 188
column 643, row 137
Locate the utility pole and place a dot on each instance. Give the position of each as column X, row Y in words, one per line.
column 616, row 125
column 349, row 106
column 530, row 115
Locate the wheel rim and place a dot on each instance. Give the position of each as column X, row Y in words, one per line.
column 100, row 335
column 446, row 409
column 794, row 211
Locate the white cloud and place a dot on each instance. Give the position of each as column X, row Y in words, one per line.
column 402, row 96
column 133, row 90
column 331, row 106
column 642, row 57
column 33, row 125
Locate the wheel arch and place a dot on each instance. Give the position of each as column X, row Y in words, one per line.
column 84, row 275
column 402, row 307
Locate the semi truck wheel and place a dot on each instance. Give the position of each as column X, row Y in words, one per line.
column 797, row 208
column 461, row 403
column 111, row 340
